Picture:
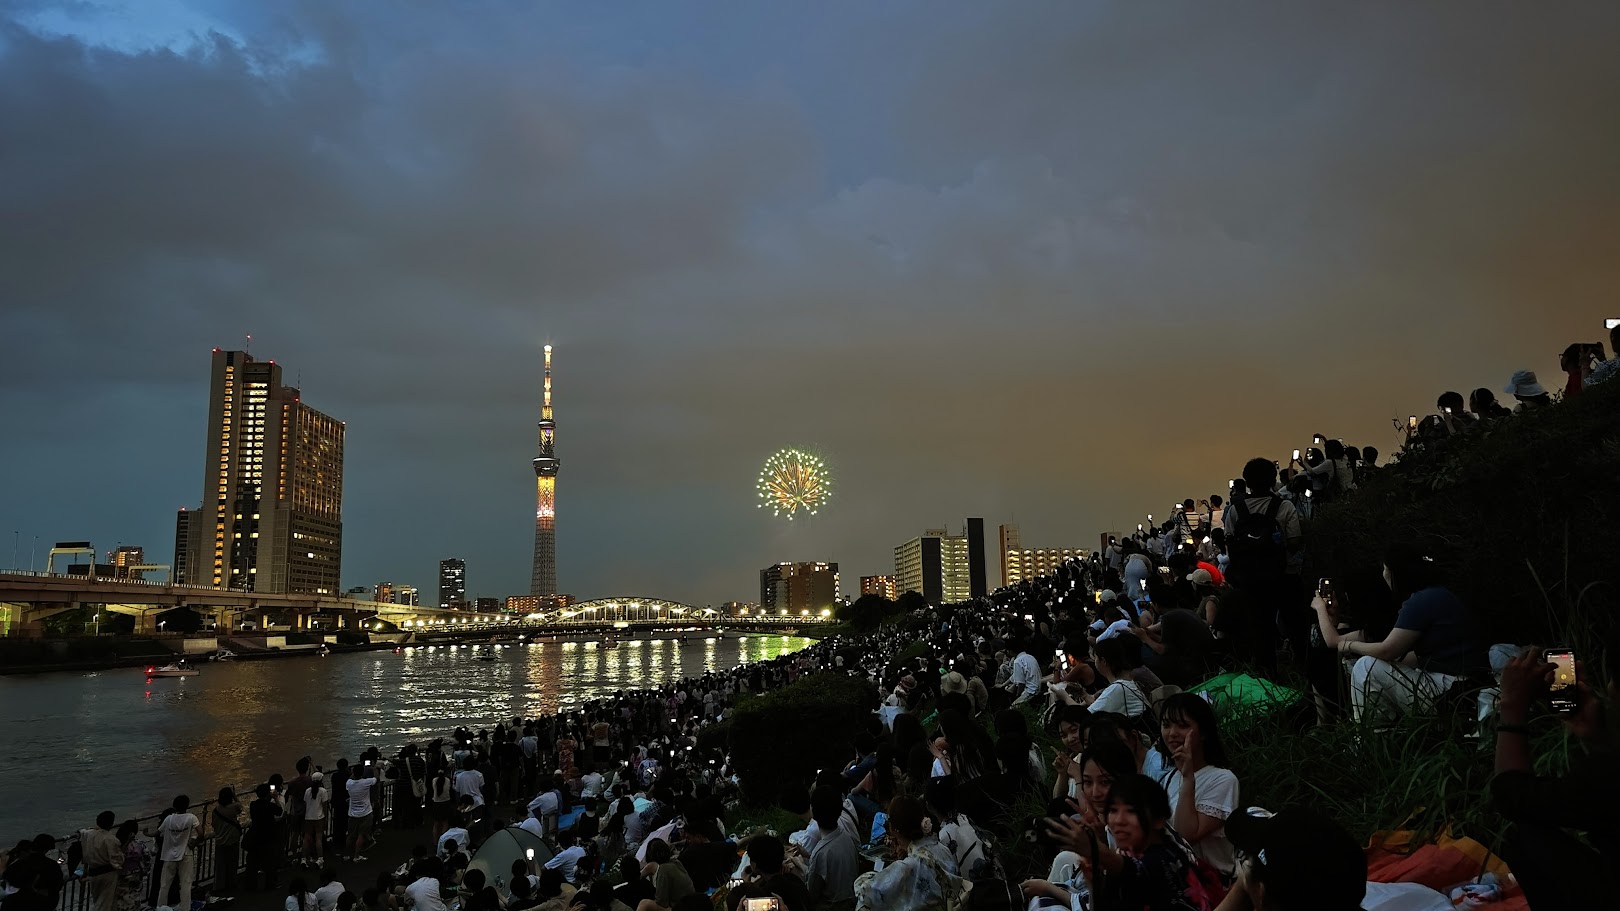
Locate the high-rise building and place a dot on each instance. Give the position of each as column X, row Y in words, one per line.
column 486, row 605
column 882, row 586
column 975, row 556
column 934, row 565
column 453, row 583
column 125, row 557
column 383, row 593
column 543, row 578
column 406, row 595
column 795, row 588
column 1019, row 563
column 272, row 487
column 181, row 565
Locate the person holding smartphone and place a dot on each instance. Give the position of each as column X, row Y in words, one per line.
column 1555, row 869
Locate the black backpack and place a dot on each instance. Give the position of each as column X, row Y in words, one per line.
column 1257, row 549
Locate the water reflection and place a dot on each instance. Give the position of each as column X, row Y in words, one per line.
column 84, row 743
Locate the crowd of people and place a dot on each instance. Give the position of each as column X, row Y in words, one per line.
column 1143, row 809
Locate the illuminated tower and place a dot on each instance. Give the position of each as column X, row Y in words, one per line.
column 543, row 581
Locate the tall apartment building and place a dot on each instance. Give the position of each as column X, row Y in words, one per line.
column 383, row 593
column 406, row 595
column 271, row 518
column 453, row 583
column 181, row 566
column 1019, row 563
column 882, row 586
column 798, row 587
column 935, row 565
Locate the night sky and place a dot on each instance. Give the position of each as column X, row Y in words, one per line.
column 1057, row 263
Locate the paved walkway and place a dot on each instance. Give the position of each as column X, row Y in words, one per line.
column 392, row 848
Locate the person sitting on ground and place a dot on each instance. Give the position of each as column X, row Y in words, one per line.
column 1295, row 860
column 299, row 898
column 708, row 858
column 1604, row 371
column 1179, row 642
column 1555, row 869
column 1203, row 792
column 670, row 881
column 1454, row 416
column 326, row 896
column 633, row 886
column 1432, row 646
column 829, row 873
column 1148, row 865
column 766, row 875
column 425, row 891
column 916, row 879
column 1124, row 694
column 1099, row 767
column 566, row 861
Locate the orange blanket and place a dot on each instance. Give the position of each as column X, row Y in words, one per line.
column 1441, row 866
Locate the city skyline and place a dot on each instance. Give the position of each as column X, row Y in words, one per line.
column 944, row 245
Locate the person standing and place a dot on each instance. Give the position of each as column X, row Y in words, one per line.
column 227, row 841
column 360, row 810
column 103, row 859
column 260, row 839
column 316, row 802
column 176, row 835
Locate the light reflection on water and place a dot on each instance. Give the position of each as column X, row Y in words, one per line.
column 110, row 740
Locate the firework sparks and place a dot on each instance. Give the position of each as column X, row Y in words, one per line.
column 793, row 480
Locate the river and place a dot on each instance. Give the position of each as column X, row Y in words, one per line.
column 80, row 743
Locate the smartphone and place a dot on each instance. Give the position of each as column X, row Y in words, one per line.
column 1563, row 692
column 1307, row 493
column 1324, row 587
column 368, row 762
column 529, row 853
column 1059, row 662
column 1296, row 455
column 1230, row 484
column 762, row 904
column 1611, row 323
column 1411, row 422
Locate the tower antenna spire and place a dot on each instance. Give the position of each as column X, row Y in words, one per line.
column 543, row 580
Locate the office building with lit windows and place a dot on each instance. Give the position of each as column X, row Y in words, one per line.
column 453, row 583
column 125, row 559
column 1019, row 563
column 798, row 587
column 882, row 586
column 934, row 565
column 271, row 518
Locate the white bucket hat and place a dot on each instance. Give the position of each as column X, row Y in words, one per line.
column 1524, row 385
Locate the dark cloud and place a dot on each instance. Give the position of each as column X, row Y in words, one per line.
column 1046, row 263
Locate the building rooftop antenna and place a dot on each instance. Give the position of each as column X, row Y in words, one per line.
column 249, row 348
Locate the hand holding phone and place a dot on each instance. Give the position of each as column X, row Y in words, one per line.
column 1564, row 692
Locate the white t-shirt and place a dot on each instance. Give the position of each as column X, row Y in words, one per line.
column 309, row 902
column 423, row 895
column 470, row 783
column 547, row 802
column 591, row 784
column 457, row 835
column 566, row 861
column 1122, row 697
column 359, row 796
column 327, row 896
column 533, row 826
column 1215, row 793
column 315, row 801
column 177, row 831
column 1119, row 627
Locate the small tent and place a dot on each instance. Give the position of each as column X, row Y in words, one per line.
column 496, row 854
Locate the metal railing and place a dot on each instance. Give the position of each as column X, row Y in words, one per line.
column 75, row 895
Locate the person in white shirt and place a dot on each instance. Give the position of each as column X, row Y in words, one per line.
column 424, row 894
column 175, row 835
column 1025, row 681
column 326, row 897
column 1203, row 793
column 360, row 810
column 533, row 825
column 316, row 802
column 454, row 839
column 567, row 860
column 591, row 784
column 470, row 783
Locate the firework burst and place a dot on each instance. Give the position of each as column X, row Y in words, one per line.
column 793, row 480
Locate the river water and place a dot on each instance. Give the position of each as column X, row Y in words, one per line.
column 75, row 744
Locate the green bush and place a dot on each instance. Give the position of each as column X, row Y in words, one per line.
column 1523, row 513
column 780, row 739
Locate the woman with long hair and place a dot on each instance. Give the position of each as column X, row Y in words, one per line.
column 917, row 879
column 1201, row 789
column 227, row 819
column 299, row 898
column 962, row 748
column 442, row 798
column 1098, row 768
column 1147, row 865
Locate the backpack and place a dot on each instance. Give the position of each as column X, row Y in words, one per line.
column 1257, row 549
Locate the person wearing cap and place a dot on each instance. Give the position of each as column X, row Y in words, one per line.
column 1524, row 387
column 1294, row 860
column 315, row 801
